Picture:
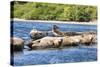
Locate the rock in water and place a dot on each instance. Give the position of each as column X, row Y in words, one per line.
column 17, row 44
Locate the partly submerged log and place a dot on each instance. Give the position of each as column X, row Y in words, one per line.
column 17, row 44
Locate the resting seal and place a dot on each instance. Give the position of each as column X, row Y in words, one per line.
column 46, row 42
column 54, row 42
column 57, row 32
column 36, row 34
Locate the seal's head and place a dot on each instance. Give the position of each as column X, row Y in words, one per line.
column 55, row 27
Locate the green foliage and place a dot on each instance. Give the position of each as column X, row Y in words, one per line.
column 47, row 11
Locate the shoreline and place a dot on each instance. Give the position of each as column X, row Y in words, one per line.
column 46, row 21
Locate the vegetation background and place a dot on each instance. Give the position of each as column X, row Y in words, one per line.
column 52, row 11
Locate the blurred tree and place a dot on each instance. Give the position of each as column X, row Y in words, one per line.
column 48, row 11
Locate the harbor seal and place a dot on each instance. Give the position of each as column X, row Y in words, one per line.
column 57, row 32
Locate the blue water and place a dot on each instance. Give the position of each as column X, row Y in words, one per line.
column 65, row 55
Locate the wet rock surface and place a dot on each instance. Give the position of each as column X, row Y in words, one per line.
column 17, row 44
